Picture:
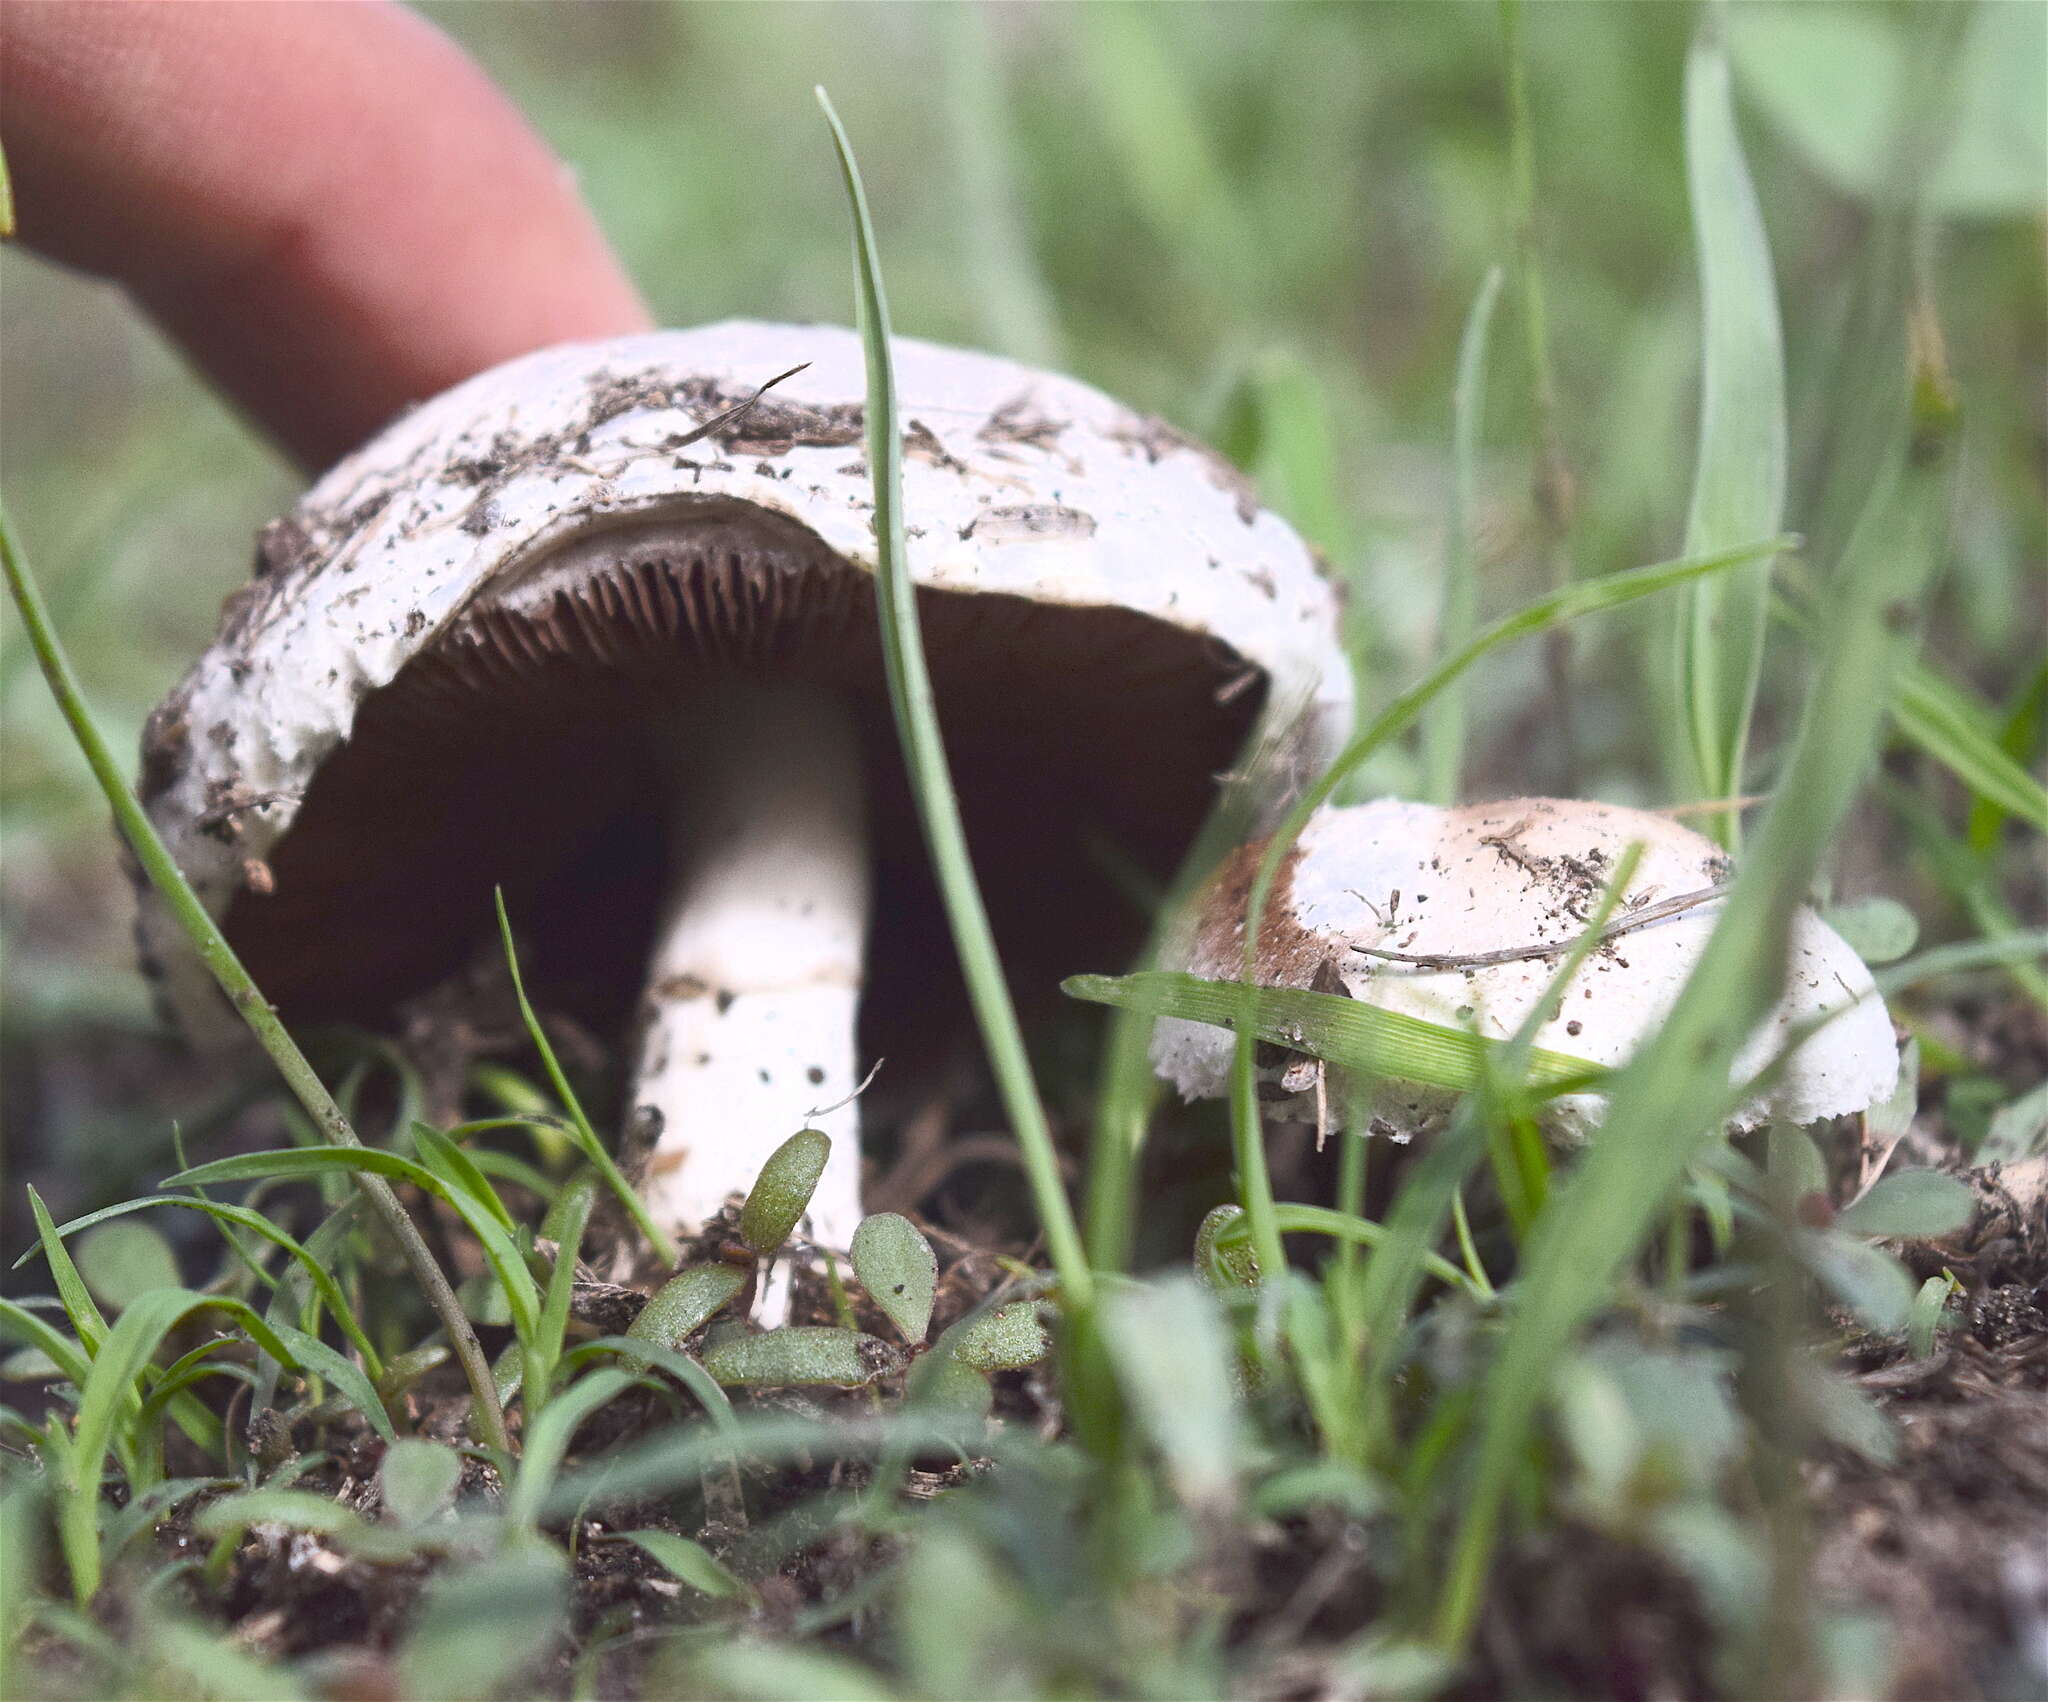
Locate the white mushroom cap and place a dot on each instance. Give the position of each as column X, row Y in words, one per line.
column 1429, row 882
column 1018, row 483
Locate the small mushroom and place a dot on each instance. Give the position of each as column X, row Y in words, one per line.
column 1463, row 916
column 598, row 626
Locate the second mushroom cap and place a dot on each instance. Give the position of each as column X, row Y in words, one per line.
column 1369, row 889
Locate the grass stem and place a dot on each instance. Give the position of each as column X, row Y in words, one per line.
column 235, row 982
column 924, row 753
column 1552, row 479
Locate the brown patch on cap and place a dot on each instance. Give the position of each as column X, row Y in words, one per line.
column 1288, row 956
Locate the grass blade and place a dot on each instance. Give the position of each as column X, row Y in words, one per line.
column 583, row 1134
column 321, row 1278
column 1351, row 1033
column 1552, row 481
column 548, row 1441
column 64, row 1353
column 1006, row 287
column 1443, row 733
column 1654, row 1126
column 242, row 992
column 917, row 724
column 1739, row 479
column 499, row 1252
column 79, row 1306
column 110, row 1388
column 1947, row 722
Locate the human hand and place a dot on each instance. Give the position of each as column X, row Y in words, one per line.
column 329, row 205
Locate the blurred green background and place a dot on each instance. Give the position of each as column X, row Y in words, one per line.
column 1265, row 222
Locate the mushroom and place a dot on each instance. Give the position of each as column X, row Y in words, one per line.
column 1462, row 917
column 598, row 626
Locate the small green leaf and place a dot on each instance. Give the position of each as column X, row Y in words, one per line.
column 123, row 1261
column 480, row 1628
column 940, row 1379
column 408, row 1368
column 1844, row 1413
column 1866, row 1279
column 311, row 1354
column 683, row 1304
column 2016, row 1131
column 1006, row 1339
column 690, row 1561
column 1878, row 929
column 783, row 1671
column 69, row 1356
column 799, row 1357
column 1222, row 1265
column 898, row 1268
column 782, row 1192
column 1796, row 1166
column 85, row 1316
column 547, row 1442
column 483, row 1300
column 569, row 1213
column 1930, row 1305
column 299, row 1509
column 1173, row 1355
column 685, row 1370
column 29, row 1365
column 419, row 1479
column 566, row 1220
column 1918, row 1203
column 459, row 1171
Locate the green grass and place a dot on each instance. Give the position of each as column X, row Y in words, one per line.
column 1478, row 1349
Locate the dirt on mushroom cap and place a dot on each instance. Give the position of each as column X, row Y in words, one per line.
column 1017, row 482
column 1370, row 890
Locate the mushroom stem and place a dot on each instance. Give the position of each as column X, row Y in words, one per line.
column 754, row 983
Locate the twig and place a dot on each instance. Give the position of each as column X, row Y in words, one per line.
column 733, row 414
column 1517, row 954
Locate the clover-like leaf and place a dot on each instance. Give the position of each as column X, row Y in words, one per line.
column 684, row 1303
column 800, row 1356
column 419, row 1479
column 124, row 1260
column 1866, row 1279
column 941, row 1380
column 690, row 1561
column 1007, row 1339
column 782, row 1192
column 1879, row 929
column 898, row 1268
column 1916, row 1203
